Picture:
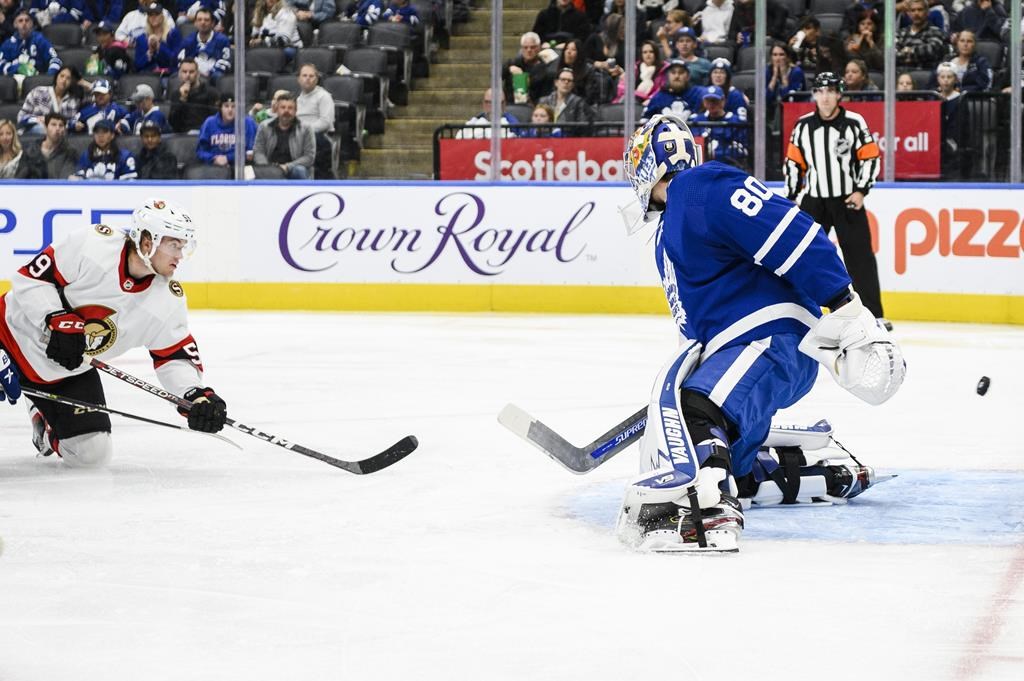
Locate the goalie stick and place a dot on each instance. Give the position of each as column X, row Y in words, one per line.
column 576, row 459
column 72, row 402
column 392, row 455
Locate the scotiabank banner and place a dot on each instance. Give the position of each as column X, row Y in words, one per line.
column 549, row 159
column 918, row 134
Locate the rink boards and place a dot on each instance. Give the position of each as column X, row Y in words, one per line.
column 945, row 252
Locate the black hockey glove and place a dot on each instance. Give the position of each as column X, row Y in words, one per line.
column 208, row 411
column 67, row 339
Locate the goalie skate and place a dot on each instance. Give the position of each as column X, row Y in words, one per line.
column 669, row 528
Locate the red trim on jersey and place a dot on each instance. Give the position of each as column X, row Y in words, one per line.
column 11, row 345
column 126, row 282
column 185, row 349
column 55, row 277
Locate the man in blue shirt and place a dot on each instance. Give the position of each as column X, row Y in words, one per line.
column 217, row 136
column 678, row 96
column 746, row 274
column 27, row 51
column 210, row 50
column 102, row 108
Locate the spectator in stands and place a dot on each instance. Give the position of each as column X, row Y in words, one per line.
column 921, row 45
column 567, row 106
column 936, row 14
column 155, row 162
column 210, row 49
column 8, row 8
column 725, row 143
column 315, row 12
column 542, row 114
column 274, row 25
column 857, row 79
column 261, row 113
column 679, row 96
column 315, row 108
column 27, row 52
column 192, row 102
column 561, row 21
column 606, row 50
column 526, row 75
column 286, row 142
column 484, row 118
column 10, row 150
column 145, row 111
column 973, row 70
column 904, row 82
column 401, row 12
column 364, row 12
column 50, row 157
column 103, row 159
column 217, row 9
column 217, row 137
column 736, row 101
column 101, row 109
column 855, row 12
column 134, row 23
column 864, row 43
column 674, row 20
column 950, row 122
column 649, row 73
column 741, row 28
column 61, row 11
column 586, row 82
column 715, row 20
column 782, row 74
column 984, row 18
column 65, row 96
column 804, row 43
column 156, row 50
column 110, row 57
column 110, row 11
column 686, row 49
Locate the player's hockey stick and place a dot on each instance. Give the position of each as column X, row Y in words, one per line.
column 576, row 459
column 70, row 401
column 392, row 455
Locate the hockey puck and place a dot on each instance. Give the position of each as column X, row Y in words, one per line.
column 983, row 385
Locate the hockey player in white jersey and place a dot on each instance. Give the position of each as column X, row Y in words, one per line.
column 102, row 292
column 746, row 274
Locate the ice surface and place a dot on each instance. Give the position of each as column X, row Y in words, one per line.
column 478, row 558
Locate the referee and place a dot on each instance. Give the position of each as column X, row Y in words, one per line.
column 831, row 163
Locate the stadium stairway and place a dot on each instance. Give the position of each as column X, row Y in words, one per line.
column 452, row 94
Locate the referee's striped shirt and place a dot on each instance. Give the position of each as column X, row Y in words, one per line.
column 831, row 159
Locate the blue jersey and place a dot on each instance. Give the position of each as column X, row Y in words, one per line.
column 740, row 262
column 366, row 12
column 132, row 123
column 217, row 138
column 213, row 57
column 164, row 60
column 409, row 14
column 107, row 166
column 36, row 49
column 111, row 11
column 683, row 104
column 737, row 104
column 722, row 143
column 61, row 11
column 90, row 114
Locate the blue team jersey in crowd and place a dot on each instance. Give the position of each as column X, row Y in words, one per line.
column 722, row 143
column 213, row 57
column 409, row 14
column 38, row 50
column 132, row 123
column 739, row 262
column 107, row 167
column 737, row 104
column 217, row 138
column 684, row 104
column 88, row 115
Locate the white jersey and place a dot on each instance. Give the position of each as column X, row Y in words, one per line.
column 88, row 273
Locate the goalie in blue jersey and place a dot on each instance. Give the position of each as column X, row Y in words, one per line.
column 746, row 274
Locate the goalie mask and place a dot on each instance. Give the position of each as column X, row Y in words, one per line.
column 161, row 220
column 662, row 147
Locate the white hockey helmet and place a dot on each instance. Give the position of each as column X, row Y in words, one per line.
column 162, row 219
column 662, row 146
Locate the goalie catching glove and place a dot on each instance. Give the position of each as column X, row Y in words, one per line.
column 857, row 350
column 208, row 413
column 67, row 339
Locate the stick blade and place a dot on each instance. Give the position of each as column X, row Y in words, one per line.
column 390, row 456
column 574, row 459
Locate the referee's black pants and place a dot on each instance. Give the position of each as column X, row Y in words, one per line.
column 855, row 239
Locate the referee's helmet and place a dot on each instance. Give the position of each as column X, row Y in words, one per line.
column 828, row 79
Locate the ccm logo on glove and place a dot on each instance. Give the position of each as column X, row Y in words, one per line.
column 208, row 413
column 67, row 339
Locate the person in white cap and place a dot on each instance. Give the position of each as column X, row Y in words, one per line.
column 102, row 108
